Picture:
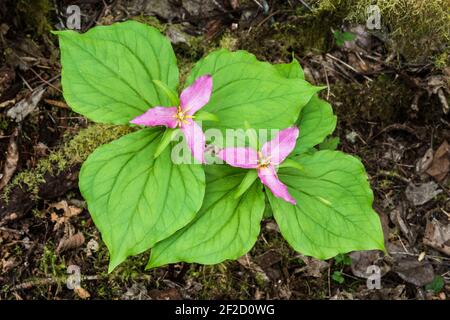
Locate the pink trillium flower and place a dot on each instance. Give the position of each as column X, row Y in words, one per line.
column 192, row 99
column 272, row 154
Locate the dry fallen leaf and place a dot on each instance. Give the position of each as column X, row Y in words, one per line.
column 12, row 158
column 69, row 211
column 314, row 267
column 425, row 162
column 421, row 194
column 82, row 293
column 362, row 260
column 247, row 262
column 440, row 165
column 437, row 236
column 413, row 271
column 25, row 106
column 70, row 242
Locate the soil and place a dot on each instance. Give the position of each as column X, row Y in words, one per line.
column 391, row 109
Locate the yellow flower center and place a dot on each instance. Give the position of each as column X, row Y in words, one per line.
column 182, row 117
column 263, row 162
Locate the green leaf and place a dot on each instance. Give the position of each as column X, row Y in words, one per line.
column 342, row 37
column 246, row 183
column 108, row 72
column 316, row 122
column 224, row 228
column 330, row 143
column 289, row 163
column 334, row 206
column 291, row 70
column 338, row 277
column 436, row 285
column 167, row 137
column 245, row 89
column 136, row 200
column 205, row 116
column 343, row 260
column 171, row 94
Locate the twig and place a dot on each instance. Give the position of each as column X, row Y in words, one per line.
column 394, row 175
column 45, row 81
column 328, row 83
column 347, row 65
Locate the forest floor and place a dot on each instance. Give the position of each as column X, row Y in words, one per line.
column 389, row 90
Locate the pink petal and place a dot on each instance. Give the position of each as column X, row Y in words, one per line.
column 239, row 157
column 196, row 95
column 269, row 178
column 195, row 139
column 157, row 116
column 281, row 146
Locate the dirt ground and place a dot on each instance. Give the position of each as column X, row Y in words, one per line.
column 389, row 88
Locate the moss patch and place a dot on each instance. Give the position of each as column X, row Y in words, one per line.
column 72, row 152
column 383, row 99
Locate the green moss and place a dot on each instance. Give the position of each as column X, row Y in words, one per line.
column 35, row 14
column 49, row 263
column 384, row 99
column 418, row 29
column 72, row 152
column 151, row 21
column 229, row 41
column 442, row 60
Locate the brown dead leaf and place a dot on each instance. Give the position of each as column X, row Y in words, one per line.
column 167, row 294
column 416, row 272
column 247, row 262
column 234, row 4
column 314, row 267
column 425, row 162
column 441, row 162
column 422, row 193
column 8, row 264
column 12, row 158
column 82, row 293
column 26, row 106
column 361, row 260
column 437, row 236
column 68, row 212
column 70, row 242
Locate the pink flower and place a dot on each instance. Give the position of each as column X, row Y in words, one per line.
column 192, row 99
column 272, row 153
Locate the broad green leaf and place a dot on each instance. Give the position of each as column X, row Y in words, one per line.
column 108, row 72
column 246, row 182
column 316, row 122
column 291, row 70
column 136, row 200
column 171, row 94
column 330, row 143
column 206, row 116
column 245, row 89
column 316, row 119
column 224, row 228
column 167, row 137
column 289, row 163
column 334, row 206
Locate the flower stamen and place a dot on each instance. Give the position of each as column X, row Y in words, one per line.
column 263, row 162
column 182, row 117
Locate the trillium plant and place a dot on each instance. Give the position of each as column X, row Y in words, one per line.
column 208, row 208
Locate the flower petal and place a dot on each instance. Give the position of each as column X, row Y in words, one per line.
column 239, row 157
column 195, row 139
column 157, row 116
column 269, row 178
column 196, row 95
column 281, row 146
